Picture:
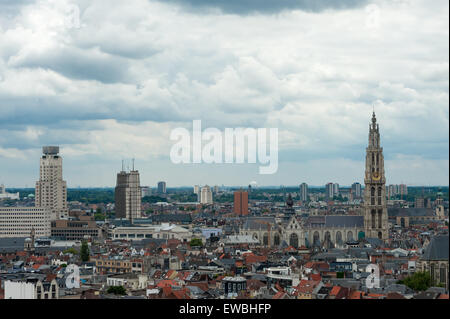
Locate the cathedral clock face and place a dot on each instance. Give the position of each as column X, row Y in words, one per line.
column 376, row 176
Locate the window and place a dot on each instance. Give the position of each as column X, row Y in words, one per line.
column 443, row 275
column 373, row 218
column 380, row 218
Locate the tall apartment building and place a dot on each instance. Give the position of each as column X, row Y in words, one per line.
column 304, row 192
column 241, row 203
column 329, row 191
column 335, row 189
column 402, row 189
column 19, row 221
column 146, row 191
column 391, row 191
column 356, row 190
column 197, row 192
column 161, row 187
column 206, row 195
column 127, row 195
column 51, row 189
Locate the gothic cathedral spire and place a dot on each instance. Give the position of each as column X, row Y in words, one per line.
column 375, row 209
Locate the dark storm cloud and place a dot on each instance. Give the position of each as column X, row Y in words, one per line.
column 269, row 6
column 78, row 64
column 12, row 7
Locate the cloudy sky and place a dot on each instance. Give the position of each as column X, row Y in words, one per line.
column 109, row 80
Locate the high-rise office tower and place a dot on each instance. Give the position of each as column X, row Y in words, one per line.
column 127, row 195
column 356, row 190
column 197, row 192
column 241, row 203
column 402, row 190
column 391, row 191
column 335, row 189
column 206, row 195
column 375, row 209
column 329, row 191
column 146, row 191
column 161, row 187
column 304, row 192
column 51, row 189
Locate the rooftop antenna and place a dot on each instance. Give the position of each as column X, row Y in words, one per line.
column 133, row 163
column 122, row 166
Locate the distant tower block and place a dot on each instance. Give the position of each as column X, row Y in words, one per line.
column 51, row 189
column 241, row 203
column 161, row 187
column 128, row 195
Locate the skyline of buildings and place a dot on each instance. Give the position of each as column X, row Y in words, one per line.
column 180, row 233
column 346, row 197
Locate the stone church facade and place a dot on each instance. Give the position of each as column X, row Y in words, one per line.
column 332, row 230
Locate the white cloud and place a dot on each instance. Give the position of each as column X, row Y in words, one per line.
column 119, row 81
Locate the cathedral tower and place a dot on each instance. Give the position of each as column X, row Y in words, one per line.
column 375, row 209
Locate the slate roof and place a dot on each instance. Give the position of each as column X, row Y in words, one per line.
column 258, row 222
column 13, row 244
column 164, row 218
column 410, row 212
column 437, row 249
column 335, row 221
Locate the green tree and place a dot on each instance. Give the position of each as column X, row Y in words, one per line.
column 117, row 290
column 196, row 242
column 84, row 252
column 71, row 250
column 418, row 281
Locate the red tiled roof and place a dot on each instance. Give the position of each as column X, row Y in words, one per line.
column 166, row 283
column 202, row 285
column 394, row 295
column 355, row 295
column 181, row 294
column 335, row 290
column 316, row 277
column 279, row 295
column 306, row 286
